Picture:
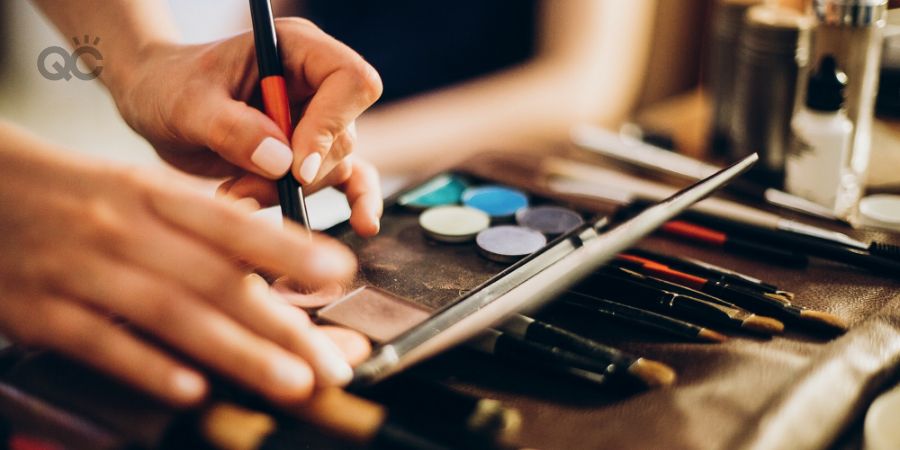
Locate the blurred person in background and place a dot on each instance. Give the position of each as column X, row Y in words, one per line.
column 471, row 75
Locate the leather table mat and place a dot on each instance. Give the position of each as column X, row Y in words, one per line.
column 794, row 391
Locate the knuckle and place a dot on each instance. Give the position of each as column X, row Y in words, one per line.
column 343, row 146
column 106, row 222
column 368, row 81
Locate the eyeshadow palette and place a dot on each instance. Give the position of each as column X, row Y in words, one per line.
column 450, row 234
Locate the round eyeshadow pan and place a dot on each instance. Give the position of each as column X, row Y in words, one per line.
column 508, row 243
column 551, row 220
column 442, row 190
column 497, row 201
column 453, row 224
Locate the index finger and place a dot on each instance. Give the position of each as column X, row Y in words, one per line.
column 312, row 263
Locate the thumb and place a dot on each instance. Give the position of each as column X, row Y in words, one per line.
column 247, row 138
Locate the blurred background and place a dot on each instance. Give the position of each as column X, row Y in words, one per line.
column 81, row 115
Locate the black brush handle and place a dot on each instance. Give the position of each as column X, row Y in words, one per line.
column 810, row 246
column 547, row 334
column 647, row 319
column 764, row 252
column 554, row 359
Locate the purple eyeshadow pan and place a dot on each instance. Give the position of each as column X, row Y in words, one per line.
column 508, row 243
column 550, row 220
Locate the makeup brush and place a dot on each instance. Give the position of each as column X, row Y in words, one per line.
column 808, row 245
column 276, row 102
column 775, row 305
column 641, row 317
column 555, row 359
column 732, row 244
column 232, row 427
column 683, row 306
column 771, row 304
column 712, row 271
column 649, row 373
column 623, row 266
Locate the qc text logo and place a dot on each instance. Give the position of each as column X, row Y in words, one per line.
column 56, row 63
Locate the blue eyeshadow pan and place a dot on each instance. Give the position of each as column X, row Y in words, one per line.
column 439, row 191
column 497, row 201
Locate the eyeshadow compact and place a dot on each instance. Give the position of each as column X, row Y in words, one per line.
column 449, row 234
column 462, row 250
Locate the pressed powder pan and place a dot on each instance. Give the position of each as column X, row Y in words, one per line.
column 453, row 224
column 499, row 202
column 548, row 219
column 509, row 243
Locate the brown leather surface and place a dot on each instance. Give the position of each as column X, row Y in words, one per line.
column 791, row 392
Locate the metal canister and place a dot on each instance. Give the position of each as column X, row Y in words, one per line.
column 727, row 22
column 772, row 58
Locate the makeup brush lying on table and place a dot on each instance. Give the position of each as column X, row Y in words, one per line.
column 770, row 304
column 623, row 288
column 611, row 310
column 734, row 245
column 615, row 365
column 712, row 271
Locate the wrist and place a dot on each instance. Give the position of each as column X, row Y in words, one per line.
column 126, row 65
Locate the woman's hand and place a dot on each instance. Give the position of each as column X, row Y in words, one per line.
column 84, row 246
column 198, row 106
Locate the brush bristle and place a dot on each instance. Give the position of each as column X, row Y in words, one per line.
column 825, row 318
column 786, row 294
column 885, row 250
column 711, row 336
column 763, row 324
column 652, row 373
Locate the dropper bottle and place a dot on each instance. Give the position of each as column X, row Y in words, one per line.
column 819, row 156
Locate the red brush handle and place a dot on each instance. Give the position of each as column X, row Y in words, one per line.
column 275, row 100
column 665, row 272
column 695, row 232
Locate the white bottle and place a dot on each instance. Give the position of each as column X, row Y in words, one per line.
column 819, row 157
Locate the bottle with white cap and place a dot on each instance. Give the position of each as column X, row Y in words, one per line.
column 819, row 152
column 852, row 31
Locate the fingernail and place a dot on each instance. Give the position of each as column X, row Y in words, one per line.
column 328, row 263
column 273, row 157
column 376, row 222
column 291, row 374
column 310, row 167
column 332, row 369
column 188, row 385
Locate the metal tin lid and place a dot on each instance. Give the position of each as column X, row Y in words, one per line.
column 776, row 30
column 881, row 211
column 854, row 13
